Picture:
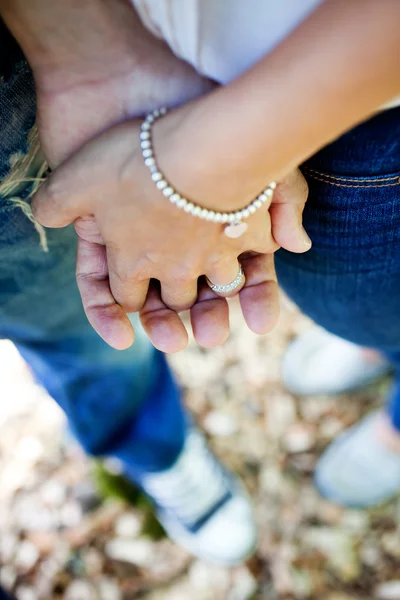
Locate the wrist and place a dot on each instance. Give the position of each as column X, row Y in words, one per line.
column 68, row 42
column 191, row 152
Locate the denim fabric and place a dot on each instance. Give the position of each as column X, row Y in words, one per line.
column 124, row 404
column 349, row 282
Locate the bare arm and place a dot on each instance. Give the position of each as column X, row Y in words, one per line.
column 335, row 70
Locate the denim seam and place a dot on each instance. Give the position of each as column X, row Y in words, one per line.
column 347, row 185
column 395, row 178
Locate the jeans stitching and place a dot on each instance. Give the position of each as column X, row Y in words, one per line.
column 347, row 185
column 352, row 179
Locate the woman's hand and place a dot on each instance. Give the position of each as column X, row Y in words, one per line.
column 129, row 234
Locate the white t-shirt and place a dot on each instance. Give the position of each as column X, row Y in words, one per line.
column 223, row 38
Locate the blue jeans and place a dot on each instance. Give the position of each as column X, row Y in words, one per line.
column 122, row 404
column 349, row 282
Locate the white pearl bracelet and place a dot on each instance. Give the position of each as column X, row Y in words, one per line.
column 234, row 220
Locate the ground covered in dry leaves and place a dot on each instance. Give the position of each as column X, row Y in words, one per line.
column 60, row 540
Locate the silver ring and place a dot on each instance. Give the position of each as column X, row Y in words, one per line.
column 234, row 285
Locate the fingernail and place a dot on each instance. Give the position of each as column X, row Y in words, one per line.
column 306, row 238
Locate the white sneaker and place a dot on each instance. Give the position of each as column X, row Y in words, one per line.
column 357, row 470
column 202, row 507
column 319, row 362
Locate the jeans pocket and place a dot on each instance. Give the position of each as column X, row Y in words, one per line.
column 353, row 222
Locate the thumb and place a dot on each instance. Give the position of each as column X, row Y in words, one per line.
column 72, row 187
column 85, row 178
column 55, row 204
column 286, row 212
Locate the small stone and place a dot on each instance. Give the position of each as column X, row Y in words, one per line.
column 109, row 590
column 8, row 545
column 8, row 576
column 339, row 548
column 70, row 514
column 54, row 493
column 245, row 585
column 299, row 438
column 330, row 427
column 390, row 590
column 26, row 557
column 204, row 577
column 370, row 555
column 280, row 415
column 137, row 552
column 93, row 563
column 128, row 525
column 26, row 593
column 356, row 521
column 87, row 496
column 391, row 544
column 80, row 589
column 220, row 424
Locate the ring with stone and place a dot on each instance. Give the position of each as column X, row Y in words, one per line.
column 229, row 289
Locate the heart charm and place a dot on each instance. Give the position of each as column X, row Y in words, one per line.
column 235, row 230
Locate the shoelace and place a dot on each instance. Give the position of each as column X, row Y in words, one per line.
column 191, row 487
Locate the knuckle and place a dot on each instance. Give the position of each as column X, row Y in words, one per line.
column 129, row 273
column 183, row 277
column 54, row 191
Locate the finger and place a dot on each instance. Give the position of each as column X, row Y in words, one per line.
column 259, row 298
column 127, row 287
column 179, row 295
column 162, row 325
column 103, row 313
column 210, row 318
column 87, row 229
column 286, row 213
column 223, row 275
